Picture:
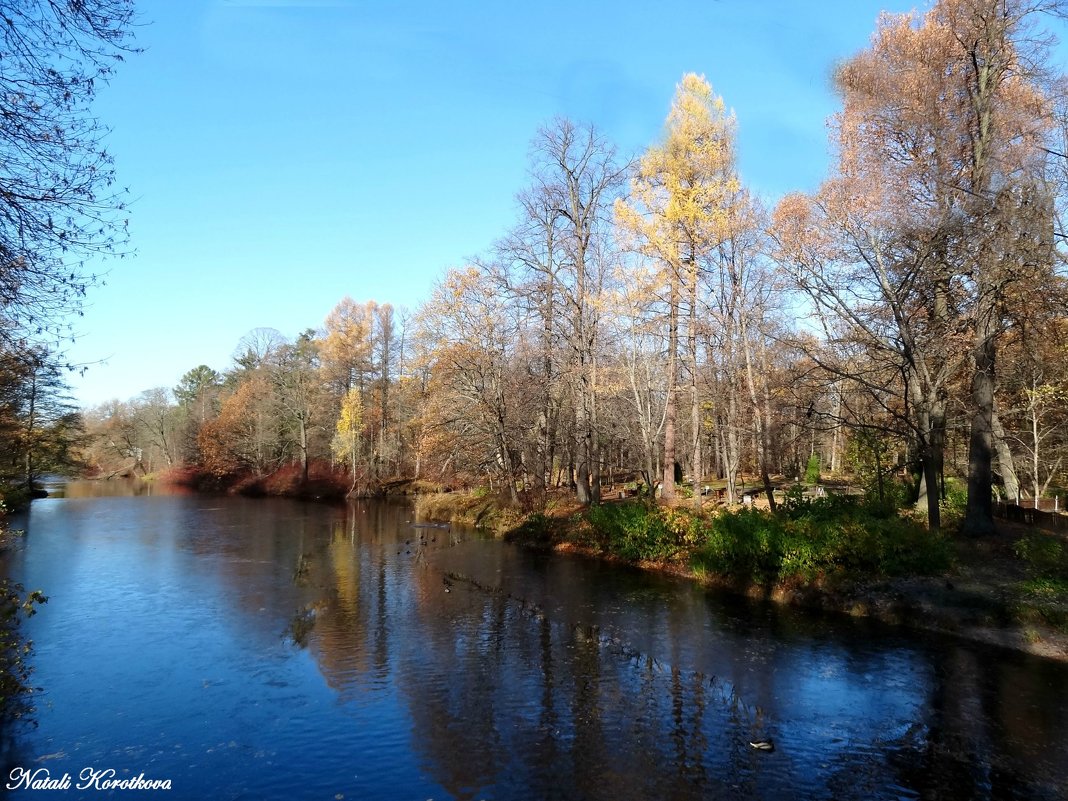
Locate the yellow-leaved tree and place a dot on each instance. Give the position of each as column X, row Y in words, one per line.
column 678, row 214
column 347, row 432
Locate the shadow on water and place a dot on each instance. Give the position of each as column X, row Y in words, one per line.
column 388, row 659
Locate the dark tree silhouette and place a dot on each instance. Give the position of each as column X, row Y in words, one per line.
column 59, row 203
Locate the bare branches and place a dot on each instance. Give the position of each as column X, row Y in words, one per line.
column 59, row 202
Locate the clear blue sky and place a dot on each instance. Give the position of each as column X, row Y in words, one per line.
column 282, row 154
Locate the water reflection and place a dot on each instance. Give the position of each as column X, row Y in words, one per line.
column 60, row 487
column 278, row 649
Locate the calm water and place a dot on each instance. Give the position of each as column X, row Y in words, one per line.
column 267, row 649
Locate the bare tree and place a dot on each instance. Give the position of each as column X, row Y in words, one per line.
column 59, row 203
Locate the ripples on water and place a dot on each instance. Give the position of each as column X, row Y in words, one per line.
column 272, row 649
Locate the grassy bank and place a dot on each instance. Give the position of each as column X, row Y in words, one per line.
column 484, row 510
column 818, row 541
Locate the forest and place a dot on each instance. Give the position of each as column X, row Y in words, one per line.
column 651, row 324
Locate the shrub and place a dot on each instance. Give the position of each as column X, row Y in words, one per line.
column 897, row 495
column 1047, row 554
column 818, row 537
column 955, row 503
column 536, row 528
column 744, row 544
column 15, row 605
column 636, row 531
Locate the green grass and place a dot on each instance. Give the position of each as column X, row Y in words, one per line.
column 1043, row 595
column 807, row 540
column 1045, row 554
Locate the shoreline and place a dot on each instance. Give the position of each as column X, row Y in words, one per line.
column 944, row 605
column 974, row 600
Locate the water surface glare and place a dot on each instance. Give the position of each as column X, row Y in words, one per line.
column 272, row 649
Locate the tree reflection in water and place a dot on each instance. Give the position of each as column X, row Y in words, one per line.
column 554, row 677
column 252, row 636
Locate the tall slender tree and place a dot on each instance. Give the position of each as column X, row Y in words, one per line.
column 676, row 213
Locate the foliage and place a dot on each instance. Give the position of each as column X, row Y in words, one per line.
column 535, row 529
column 1043, row 596
column 808, row 539
column 867, row 455
column 817, row 538
column 15, row 670
column 636, row 531
column 15, row 605
column 39, row 426
column 241, row 438
column 1046, row 554
column 897, row 495
column 347, row 431
column 955, row 502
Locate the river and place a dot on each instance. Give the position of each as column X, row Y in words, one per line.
column 273, row 649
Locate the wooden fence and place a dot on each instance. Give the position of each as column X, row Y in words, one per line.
column 1047, row 516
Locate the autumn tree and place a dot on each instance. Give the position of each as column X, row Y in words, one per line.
column 244, row 436
column 879, row 325
column 1002, row 119
column 560, row 252
column 359, row 348
column 1031, row 423
column 474, row 330
column 676, row 212
column 297, row 388
column 533, row 253
column 39, row 426
column 345, row 349
column 385, row 347
column 114, row 440
column 934, row 210
column 742, row 290
column 158, row 419
column 635, row 314
column 347, row 432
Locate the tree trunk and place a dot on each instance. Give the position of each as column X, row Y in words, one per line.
column 835, row 466
column 759, row 427
column 594, row 455
column 979, row 516
column 583, row 492
column 1006, row 464
column 932, row 448
column 668, row 488
column 697, row 471
column 303, row 450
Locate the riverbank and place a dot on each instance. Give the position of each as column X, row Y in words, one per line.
column 1009, row 589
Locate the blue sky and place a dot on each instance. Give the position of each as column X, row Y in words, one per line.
column 281, row 154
